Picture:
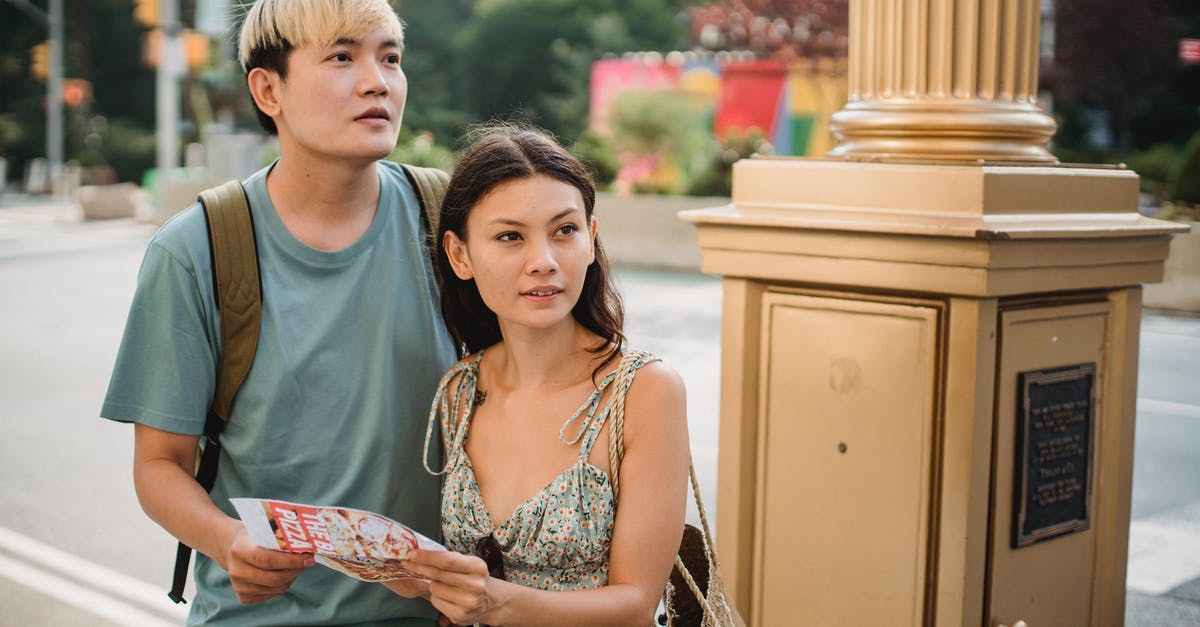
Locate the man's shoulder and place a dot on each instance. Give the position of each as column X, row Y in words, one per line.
column 394, row 173
column 184, row 234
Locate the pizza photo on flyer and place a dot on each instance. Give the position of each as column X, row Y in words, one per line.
column 360, row 544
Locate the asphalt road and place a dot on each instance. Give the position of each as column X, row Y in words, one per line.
column 72, row 535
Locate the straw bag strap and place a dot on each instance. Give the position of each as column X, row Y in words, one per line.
column 616, row 453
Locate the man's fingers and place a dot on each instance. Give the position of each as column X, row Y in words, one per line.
column 267, row 559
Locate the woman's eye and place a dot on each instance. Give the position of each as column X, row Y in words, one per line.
column 508, row 237
column 567, row 229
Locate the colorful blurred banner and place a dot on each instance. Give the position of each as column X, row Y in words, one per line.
column 789, row 102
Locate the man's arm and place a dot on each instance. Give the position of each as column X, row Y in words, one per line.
column 162, row 474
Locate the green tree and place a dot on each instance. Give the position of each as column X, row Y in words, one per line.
column 531, row 59
column 435, row 101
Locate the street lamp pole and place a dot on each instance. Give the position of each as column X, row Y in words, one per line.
column 167, row 92
column 53, row 21
column 54, row 92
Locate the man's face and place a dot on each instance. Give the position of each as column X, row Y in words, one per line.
column 345, row 100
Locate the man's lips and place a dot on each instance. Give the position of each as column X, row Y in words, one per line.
column 374, row 113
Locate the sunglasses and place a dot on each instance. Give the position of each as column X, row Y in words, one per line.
column 489, row 551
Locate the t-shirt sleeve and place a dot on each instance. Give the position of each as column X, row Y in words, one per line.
column 165, row 370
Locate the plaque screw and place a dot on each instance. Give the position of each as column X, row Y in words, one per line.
column 841, row 447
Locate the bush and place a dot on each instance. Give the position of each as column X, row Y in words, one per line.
column 1155, row 167
column 419, row 149
column 1185, row 181
column 125, row 146
column 717, row 180
column 667, row 131
column 599, row 156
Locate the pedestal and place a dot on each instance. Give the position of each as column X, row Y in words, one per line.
column 928, row 390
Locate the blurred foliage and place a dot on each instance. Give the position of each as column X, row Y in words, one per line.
column 1185, row 180
column 598, row 154
column 419, row 149
column 1155, row 167
column 1116, row 67
column 668, row 132
column 717, row 178
column 531, row 59
column 103, row 46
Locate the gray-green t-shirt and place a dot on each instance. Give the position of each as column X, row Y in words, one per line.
column 334, row 407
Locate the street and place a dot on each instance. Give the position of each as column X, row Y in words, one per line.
column 75, row 547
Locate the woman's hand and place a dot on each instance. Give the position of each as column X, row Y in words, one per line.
column 409, row 588
column 459, row 586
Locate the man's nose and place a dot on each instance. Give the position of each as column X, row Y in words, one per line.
column 371, row 77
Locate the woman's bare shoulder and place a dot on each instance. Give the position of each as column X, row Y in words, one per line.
column 656, row 396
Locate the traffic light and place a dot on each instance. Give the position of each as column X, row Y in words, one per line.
column 41, row 60
column 146, row 12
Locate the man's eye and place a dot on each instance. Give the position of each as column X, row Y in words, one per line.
column 392, row 58
column 341, row 56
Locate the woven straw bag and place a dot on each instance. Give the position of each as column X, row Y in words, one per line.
column 695, row 594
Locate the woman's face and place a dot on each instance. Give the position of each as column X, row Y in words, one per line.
column 528, row 247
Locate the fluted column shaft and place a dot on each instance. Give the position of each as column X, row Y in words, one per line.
column 943, row 80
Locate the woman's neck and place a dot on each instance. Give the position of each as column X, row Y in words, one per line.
column 541, row 359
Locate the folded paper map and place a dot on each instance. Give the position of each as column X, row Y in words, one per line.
column 360, row 544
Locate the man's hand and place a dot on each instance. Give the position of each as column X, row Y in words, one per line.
column 259, row 574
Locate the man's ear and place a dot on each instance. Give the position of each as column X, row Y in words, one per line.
column 264, row 87
column 456, row 252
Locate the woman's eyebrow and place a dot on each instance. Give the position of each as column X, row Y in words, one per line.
column 558, row 216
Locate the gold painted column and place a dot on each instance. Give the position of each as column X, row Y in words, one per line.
column 929, row 346
column 943, row 79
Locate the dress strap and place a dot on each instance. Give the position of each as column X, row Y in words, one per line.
column 621, row 379
column 452, row 412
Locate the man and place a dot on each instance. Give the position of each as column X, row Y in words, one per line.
column 351, row 344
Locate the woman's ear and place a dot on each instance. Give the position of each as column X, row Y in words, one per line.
column 456, row 252
column 595, row 227
column 264, row 85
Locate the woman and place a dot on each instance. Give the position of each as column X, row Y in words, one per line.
column 526, row 296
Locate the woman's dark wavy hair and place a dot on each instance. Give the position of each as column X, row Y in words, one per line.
column 501, row 153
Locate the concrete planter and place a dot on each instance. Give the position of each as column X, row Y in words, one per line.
column 1180, row 289
column 643, row 230
column 107, row 202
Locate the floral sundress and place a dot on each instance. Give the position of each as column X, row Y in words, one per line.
column 557, row 539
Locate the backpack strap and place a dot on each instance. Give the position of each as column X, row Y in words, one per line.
column 237, row 288
column 237, row 285
column 431, row 185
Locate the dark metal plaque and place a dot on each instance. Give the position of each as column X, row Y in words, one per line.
column 1053, row 491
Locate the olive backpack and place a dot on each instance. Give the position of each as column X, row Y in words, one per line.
column 238, row 292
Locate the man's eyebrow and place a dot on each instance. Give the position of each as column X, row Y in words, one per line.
column 387, row 43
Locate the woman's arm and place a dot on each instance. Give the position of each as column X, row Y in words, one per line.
column 646, row 535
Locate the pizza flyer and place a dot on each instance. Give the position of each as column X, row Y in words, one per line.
column 360, row 544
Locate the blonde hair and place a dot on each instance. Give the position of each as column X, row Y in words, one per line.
column 284, row 25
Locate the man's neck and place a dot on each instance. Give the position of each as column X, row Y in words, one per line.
column 325, row 204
